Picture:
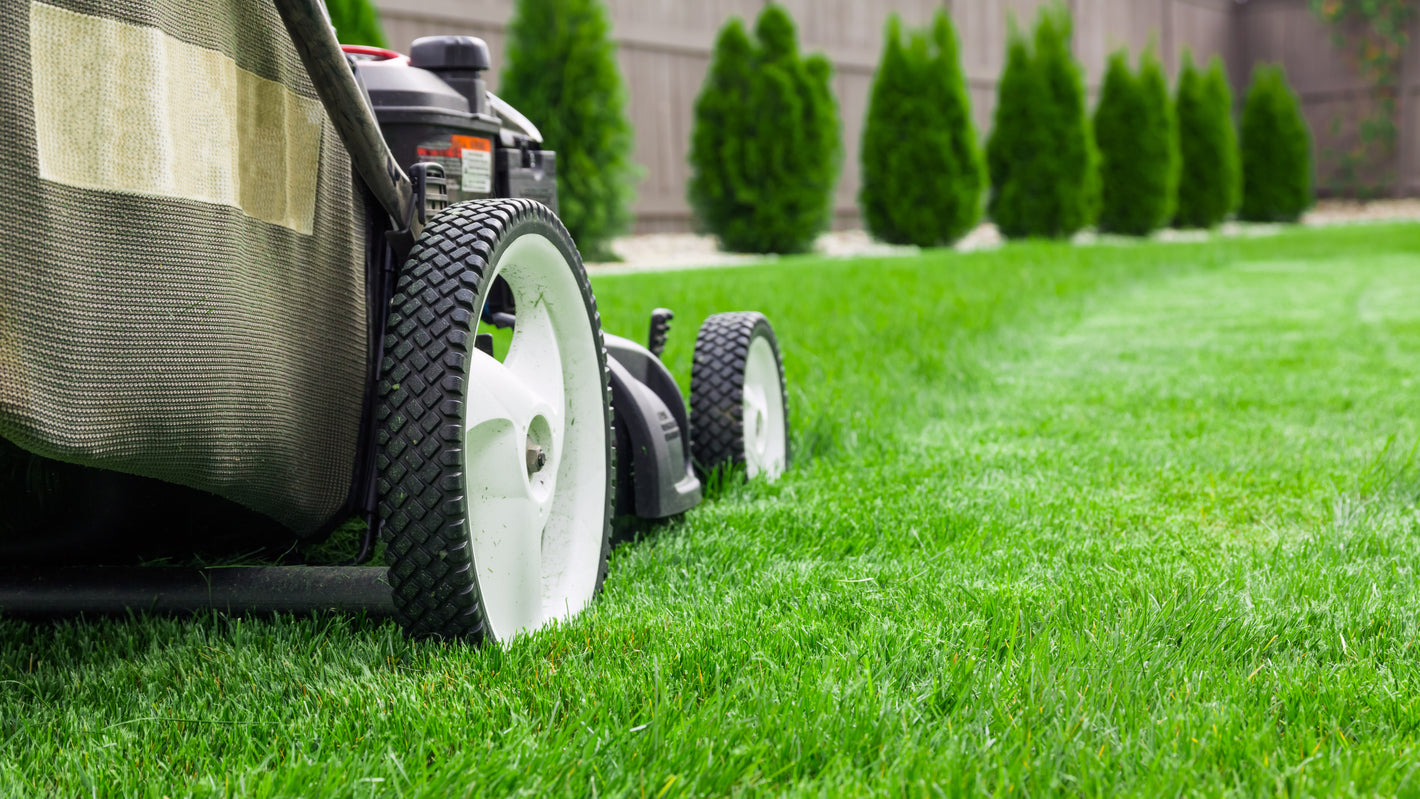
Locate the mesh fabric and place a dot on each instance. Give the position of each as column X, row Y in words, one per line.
column 182, row 289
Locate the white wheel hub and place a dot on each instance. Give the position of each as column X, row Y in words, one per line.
column 763, row 419
column 535, row 449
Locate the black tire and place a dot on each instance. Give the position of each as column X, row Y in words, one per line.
column 422, row 402
column 717, row 391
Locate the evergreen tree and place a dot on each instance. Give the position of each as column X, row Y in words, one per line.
column 893, row 196
column 766, row 146
column 1163, row 141
column 921, row 169
column 960, row 187
column 562, row 74
column 1208, row 148
column 1068, row 124
column 1218, row 93
column 1120, row 112
column 825, row 132
column 1041, row 157
column 1276, row 151
column 1017, row 191
column 719, row 189
column 1134, row 132
column 356, row 22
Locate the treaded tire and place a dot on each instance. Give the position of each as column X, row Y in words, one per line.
column 424, row 394
column 718, row 397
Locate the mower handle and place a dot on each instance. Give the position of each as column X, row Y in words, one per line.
column 345, row 102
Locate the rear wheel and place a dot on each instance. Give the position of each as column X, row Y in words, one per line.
column 738, row 410
column 495, row 476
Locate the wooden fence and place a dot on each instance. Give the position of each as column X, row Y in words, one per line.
column 664, row 49
column 1334, row 96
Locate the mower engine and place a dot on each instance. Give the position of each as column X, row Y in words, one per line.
column 434, row 107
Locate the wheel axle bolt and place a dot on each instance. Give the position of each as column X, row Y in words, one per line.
column 537, row 458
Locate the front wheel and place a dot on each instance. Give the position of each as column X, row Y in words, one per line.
column 738, row 413
column 495, row 475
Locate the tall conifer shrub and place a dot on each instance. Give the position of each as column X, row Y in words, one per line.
column 562, row 74
column 1163, row 141
column 962, row 199
column 922, row 173
column 1218, row 93
column 1208, row 146
column 1041, row 158
column 765, row 147
column 1017, row 192
column 894, row 198
column 1138, row 161
column 1276, row 151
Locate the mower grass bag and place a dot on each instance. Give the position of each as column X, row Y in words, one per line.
column 183, row 292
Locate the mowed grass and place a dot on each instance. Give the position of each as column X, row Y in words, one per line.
column 1102, row 520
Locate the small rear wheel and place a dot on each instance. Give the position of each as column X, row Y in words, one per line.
column 738, row 407
column 495, row 476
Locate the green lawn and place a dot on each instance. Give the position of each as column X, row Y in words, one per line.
column 1094, row 520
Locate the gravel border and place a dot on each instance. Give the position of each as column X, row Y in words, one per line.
column 668, row 252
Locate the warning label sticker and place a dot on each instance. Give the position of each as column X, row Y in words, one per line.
column 467, row 163
column 477, row 165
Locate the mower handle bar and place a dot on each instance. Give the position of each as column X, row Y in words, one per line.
column 345, row 102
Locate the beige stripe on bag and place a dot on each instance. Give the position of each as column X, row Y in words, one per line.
column 127, row 108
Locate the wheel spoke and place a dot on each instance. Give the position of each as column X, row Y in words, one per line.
column 497, row 392
column 752, row 421
column 507, row 535
column 535, row 360
column 507, row 506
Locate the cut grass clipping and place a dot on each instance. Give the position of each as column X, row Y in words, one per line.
column 1095, row 520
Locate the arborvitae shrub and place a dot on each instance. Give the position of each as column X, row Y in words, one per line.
column 719, row 131
column 824, row 136
column 1208, row 146
column 356, row 22
column 1164, row 141
column 1040, row 155
column 562, row 74
column 961, row 199
column 1134, row 131
column 920, row 166
column 1069, row 122
column 1119, row 114
column 1016, row 191
column 1218, row 93
column 765, row 148
column 1276, row 151
column 893, row 196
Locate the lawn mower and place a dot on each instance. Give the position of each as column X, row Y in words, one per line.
column 259, row 284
